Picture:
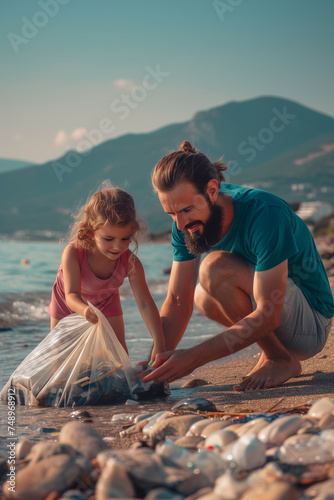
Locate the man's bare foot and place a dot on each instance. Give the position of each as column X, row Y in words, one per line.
column 270, row 373
column 258, row 365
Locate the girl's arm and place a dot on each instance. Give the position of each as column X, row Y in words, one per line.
column 72, row 284
column 147, row 307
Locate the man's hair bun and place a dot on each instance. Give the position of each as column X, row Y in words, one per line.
column 186, row 147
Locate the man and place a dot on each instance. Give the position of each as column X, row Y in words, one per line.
column 262, row 278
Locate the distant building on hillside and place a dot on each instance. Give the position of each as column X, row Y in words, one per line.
column 313, row 211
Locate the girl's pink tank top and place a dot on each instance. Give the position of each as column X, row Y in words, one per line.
column 102, row 293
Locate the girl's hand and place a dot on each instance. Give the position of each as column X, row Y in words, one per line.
column 90, row 315
column 157, row 348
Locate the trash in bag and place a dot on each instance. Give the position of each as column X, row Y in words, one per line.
column 80, row 363
column 149, row 390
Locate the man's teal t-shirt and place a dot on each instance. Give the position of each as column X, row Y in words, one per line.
column 266, row 231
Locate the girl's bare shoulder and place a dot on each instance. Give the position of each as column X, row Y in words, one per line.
column 69, row 254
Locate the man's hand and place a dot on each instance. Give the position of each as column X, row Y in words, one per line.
column 172, row 365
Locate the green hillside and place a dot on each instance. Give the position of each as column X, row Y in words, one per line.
column 256, row 136
column 305, row 173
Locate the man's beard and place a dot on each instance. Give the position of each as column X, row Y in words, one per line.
column 198, row 243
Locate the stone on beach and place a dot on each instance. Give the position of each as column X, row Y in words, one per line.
column 219, row 439
column 190, row 441
column 247, row 453
column 320, row 407
column 278, row 490
column 280, row 429
column 46, row 449
column 214, row 426
column 194, row 404
column 197, row 427
column 114, row 482
column 57, row 473
column 195, row 382
column 307, row 449
column 173, row 426
column 83, row 438
column 23, row 448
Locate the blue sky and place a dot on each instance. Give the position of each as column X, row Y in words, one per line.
column 68, row 68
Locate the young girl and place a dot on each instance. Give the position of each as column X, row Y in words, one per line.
column 95, row 263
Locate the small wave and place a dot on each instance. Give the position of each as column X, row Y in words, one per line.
column 25, row 308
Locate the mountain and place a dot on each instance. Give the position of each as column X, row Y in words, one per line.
column 9, row 165
column 305, row 173
column 250, row 134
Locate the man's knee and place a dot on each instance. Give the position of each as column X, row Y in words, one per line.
column 218, row 267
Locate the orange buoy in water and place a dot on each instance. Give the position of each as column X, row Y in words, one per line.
column 24, row 262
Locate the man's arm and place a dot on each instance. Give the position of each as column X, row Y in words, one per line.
column 177, row 309
column 269, row 291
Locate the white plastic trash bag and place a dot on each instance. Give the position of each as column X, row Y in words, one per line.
column 77, row 363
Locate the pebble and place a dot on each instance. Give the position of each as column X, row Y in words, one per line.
column 247, row 453
column 46, row 449
column 194, row 404
column 83, row 438
column 280, row 429
column 197, row 427
column 278, row 490
column 47, row 430
column 114, row 482
column 215, row 426
column 79, row 414
column 219, row 439
column 195, row 382
column 189, row 441
column 23, row 448
column 173, row 426
column 57, row 473
column 320, row 407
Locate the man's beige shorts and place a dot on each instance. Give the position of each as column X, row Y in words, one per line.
column 301, row 329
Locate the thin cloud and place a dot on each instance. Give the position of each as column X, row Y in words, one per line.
column 60, row 138
column 78, row 133
column 123, row 83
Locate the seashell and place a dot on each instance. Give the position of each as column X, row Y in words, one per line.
column 320, row 407
column 219, row 439
column 277, row 431
column 254, row 426
column 247, row 453
column 197, row 427
column 215, row 426
column 307, row 449
column 194, row 404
